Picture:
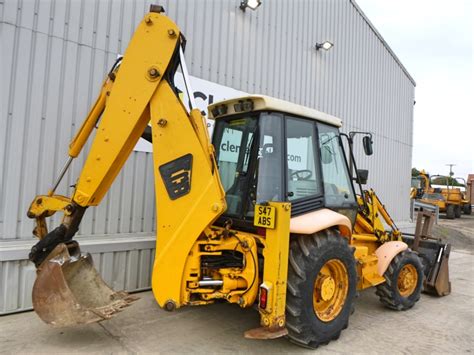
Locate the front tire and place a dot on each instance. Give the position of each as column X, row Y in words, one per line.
column 404, row 282
column 322, row 283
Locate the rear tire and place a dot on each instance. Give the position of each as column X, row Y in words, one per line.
column 450, row 212
column 404, row 282
column 322, row 283
column 467, row 209
column 457, row 211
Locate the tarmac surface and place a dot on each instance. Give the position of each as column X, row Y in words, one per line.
column 434, row 325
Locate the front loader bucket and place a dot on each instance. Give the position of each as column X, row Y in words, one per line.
column 68, row 290
column 434, row 255
column 437, row 279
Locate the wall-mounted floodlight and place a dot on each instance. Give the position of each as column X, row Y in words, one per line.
column 325, row 45
column 251, row 4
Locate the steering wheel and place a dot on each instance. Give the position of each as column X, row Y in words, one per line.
column 302, row 174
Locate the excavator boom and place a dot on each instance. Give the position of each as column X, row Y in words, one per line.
column 137, row 92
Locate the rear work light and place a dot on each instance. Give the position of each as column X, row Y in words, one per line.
column 219, row 110
column 243, row 105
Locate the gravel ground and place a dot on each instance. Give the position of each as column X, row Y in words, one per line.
column 459, row 232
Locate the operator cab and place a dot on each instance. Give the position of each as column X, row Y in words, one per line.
column 272, row 150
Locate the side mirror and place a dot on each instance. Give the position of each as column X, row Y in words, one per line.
column 362, row 176
column 367, row 142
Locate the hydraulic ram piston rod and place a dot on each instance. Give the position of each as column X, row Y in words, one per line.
column 211, row 283
column 60, row 177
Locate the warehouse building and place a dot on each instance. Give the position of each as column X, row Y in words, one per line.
column 54, row 55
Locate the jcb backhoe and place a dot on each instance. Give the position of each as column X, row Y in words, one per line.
column 264, row 215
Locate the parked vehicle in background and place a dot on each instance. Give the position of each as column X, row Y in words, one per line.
column 448, row 193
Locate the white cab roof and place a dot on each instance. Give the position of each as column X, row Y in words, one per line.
column 267, row 103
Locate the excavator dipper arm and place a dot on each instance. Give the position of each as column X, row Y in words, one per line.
column 138, row 92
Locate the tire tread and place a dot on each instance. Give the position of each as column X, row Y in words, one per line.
column 301, row 257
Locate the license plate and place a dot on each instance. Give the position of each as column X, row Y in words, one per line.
column 264, row 216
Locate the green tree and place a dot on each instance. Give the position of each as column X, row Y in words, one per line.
column 441, row 180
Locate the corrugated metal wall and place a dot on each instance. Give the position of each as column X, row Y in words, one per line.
column 54, row 55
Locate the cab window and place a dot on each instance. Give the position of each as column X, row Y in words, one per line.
column 233, row 150
column 338, row 191
column 303, row 175
column 269, row 159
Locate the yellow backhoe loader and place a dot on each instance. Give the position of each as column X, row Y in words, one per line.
column 266, row 214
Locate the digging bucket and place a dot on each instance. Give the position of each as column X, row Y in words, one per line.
column 69, row 291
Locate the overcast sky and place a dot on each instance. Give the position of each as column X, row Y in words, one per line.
column 434, row 41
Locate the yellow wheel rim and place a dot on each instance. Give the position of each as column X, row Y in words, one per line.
column 407, row 280
column 330, row 290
